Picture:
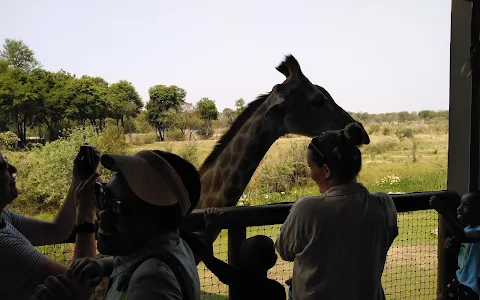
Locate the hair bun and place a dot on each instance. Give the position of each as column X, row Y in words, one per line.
column 354, row 134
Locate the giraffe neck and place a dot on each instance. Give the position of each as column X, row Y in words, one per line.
column 225, row 182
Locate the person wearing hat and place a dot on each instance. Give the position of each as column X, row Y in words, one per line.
column 140, row 212
column 338, row 241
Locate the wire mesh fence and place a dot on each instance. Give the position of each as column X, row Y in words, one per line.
column 410, row 271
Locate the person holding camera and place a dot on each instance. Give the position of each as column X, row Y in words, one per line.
column 22, row 266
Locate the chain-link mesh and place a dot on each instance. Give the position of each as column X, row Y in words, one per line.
column 410, row 271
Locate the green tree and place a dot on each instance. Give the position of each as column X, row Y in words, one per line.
column 20, row 99
column 189, row 120
column 55, row 103
column 4, row 64
column 207, row 110
column 229, row 116
column 165, row 102
column 87, row 100
column 19, row 55
column 239, row 105
column 124, row 100
column 427, row 114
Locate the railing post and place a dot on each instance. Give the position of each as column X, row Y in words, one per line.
column 236, row 236
column 447, row 260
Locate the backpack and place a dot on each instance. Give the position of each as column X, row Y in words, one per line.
column 170, row 260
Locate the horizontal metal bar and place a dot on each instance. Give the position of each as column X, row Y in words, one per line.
column 271, row 214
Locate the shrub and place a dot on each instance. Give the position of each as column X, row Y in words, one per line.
column 142, row 138
column 205, row 131
column 403, row 133
column 8, row 140
column 176, row 135
column 386, row 130
column 44, row 174
column 374, row 128
column 190, row 153
column 290, row 171
column 380, row 147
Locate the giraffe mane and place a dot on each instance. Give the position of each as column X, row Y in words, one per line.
column 233, row 130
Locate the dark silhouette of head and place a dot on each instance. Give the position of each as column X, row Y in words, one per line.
column 257, row 254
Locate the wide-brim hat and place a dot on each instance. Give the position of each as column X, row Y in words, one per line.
column 151, row 178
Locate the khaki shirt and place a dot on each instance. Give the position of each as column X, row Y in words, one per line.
column 154, row 279
column 339, row 243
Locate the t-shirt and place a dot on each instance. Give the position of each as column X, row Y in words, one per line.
column 154, row 279
column 19, row 260
column 469, row 263
column 339, row 243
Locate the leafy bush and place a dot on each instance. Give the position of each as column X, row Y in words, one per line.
column 403, row 133
column 386, row 130
column 292, row 170
column 190, row 153
column 44, row 174
column 205, row 131
column 380, row 147
column 8, row 140
column 176, row 135
column 373, row 129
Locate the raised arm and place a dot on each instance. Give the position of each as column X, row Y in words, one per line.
column 225, row 272
column 40, row 232
column 452, row 223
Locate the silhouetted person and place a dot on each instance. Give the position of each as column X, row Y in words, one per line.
column 248, row 279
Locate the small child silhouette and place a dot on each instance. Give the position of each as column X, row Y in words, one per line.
column 249, row 278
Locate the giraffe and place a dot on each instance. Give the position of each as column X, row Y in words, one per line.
column 296, row 106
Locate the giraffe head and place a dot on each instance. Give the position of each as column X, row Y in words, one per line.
column 300, row 107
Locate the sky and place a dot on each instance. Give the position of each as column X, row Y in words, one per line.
column 371, row 55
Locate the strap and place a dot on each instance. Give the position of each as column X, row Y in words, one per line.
column 170, row 260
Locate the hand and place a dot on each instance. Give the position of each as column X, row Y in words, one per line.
column 88, row 271
column 84, row 196
column 450, row 242
column 437, row 204
column 78, row 170
column 62, row 287
column 211, row 217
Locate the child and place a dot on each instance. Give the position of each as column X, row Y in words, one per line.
column 249, row 279
column 464, row 286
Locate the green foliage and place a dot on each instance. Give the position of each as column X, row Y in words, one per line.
column 8, row 140
column 239, row 106
column 4, row 64
column 205, row 131
column 189, row 152
column 45, row 174
column 380, row 147
column 176, row 135
column 19, row 55
column 164, row 104
column 207, row 110
column 124, row 100
column 291, row 170
column 373, row 129
column 404, row 132
column 427, row 114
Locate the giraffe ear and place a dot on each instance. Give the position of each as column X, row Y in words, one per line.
column 275, row 113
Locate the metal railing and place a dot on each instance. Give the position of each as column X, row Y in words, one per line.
column 417, row 265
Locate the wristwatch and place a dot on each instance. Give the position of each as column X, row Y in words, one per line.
column 85, row 227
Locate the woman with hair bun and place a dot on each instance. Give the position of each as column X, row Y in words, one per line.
column 339, row 240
